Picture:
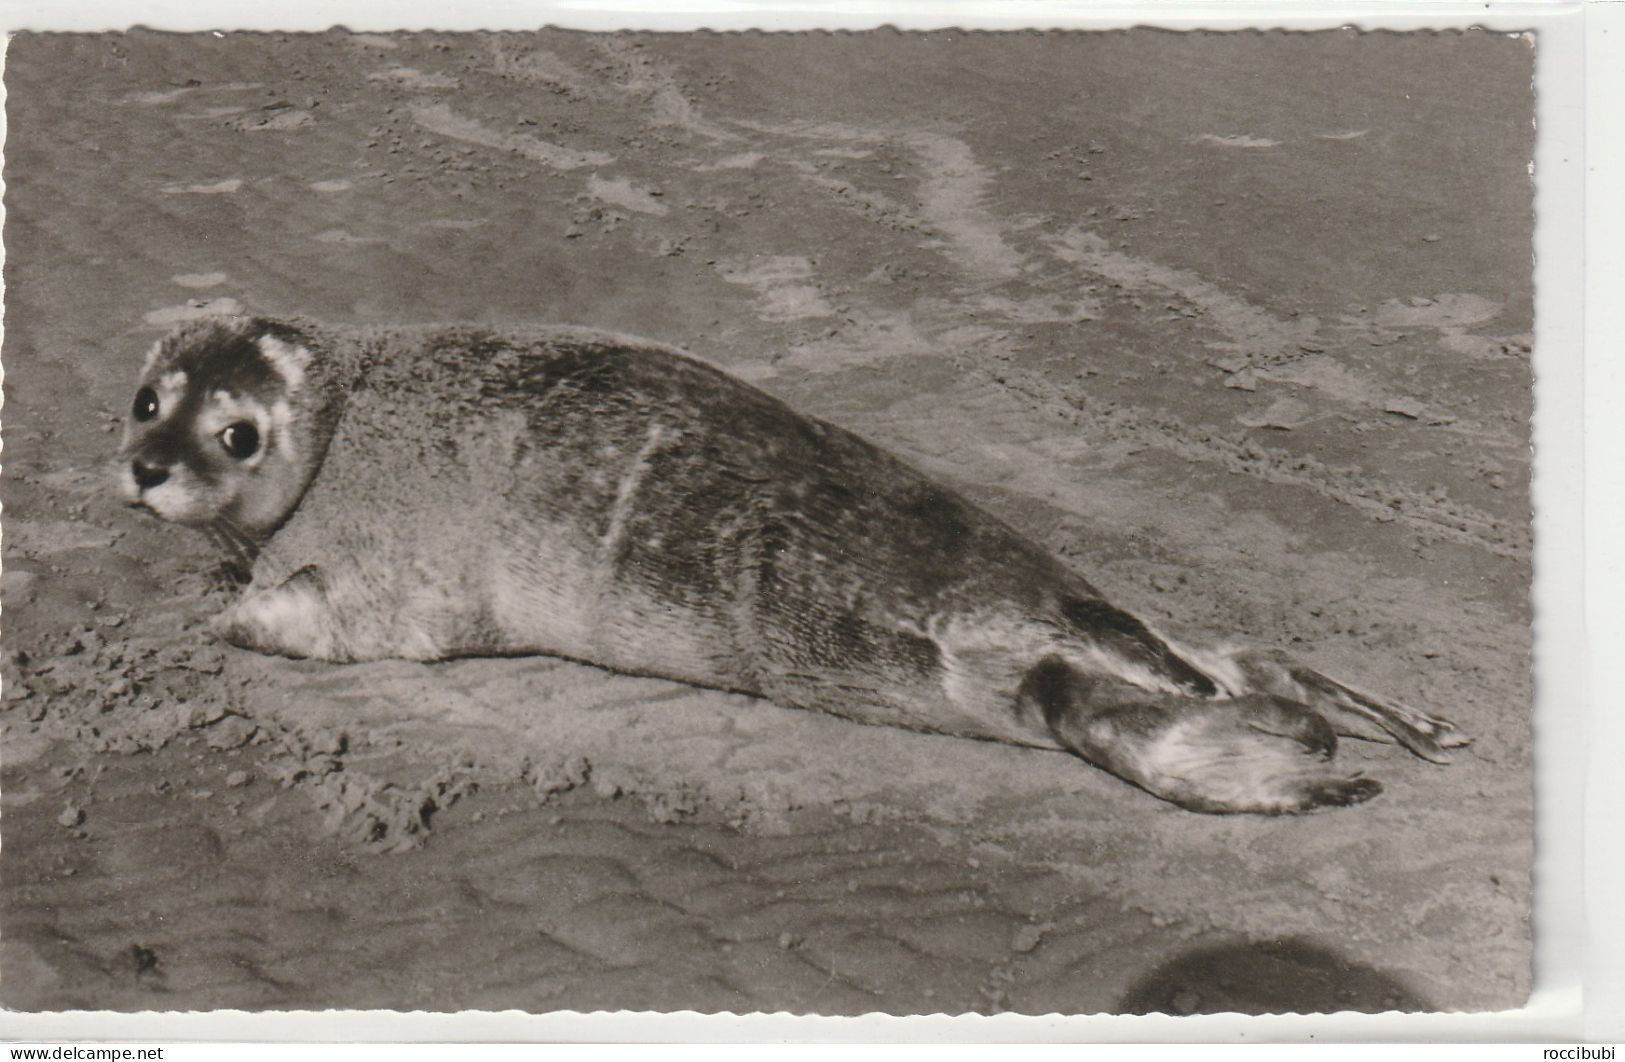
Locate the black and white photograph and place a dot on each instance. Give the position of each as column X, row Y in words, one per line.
column 917, row 522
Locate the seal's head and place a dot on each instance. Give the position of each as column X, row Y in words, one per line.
column 218, row 432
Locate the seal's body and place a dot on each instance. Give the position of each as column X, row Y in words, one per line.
column 430, row 493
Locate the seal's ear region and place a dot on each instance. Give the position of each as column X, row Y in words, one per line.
column 289, row 358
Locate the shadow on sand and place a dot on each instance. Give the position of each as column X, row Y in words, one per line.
column 1289, row 976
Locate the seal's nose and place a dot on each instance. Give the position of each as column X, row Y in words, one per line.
column 147, row 477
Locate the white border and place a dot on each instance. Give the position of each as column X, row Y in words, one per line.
column 1570, row 939
column 1605, row 524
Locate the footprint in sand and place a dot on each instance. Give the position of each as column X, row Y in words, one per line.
column 438, row 118
column 415, row 79
column 743, row 161
column 340, row 236
column 193, row 309
column 279, row 122
column 1283, row 414
column 158, row 97
column 199, row 280
column 621, row 192
column 1237, row 140
column 225, row 187
column 162, row 96
column 210, row 113
column 783, row 283
column 1454, row 316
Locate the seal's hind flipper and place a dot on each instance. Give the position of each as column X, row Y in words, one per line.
column 1254, row 753
column 1354, row 713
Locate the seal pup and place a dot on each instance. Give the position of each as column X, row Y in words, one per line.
column 449, row 491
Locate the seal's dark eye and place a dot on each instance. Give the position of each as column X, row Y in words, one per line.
column 146, row 404
column 240, row 440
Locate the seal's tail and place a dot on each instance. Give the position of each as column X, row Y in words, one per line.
column 1253, row 753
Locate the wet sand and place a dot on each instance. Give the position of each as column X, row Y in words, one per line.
column 1238, row 326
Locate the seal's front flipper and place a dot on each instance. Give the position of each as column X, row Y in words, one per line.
column 1352, row 712
column 291, row 619
column 1254, row 753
